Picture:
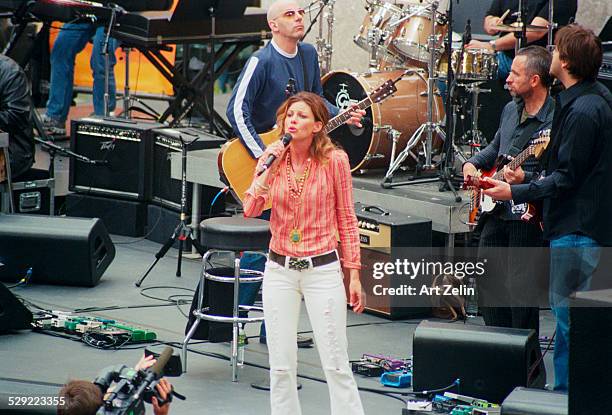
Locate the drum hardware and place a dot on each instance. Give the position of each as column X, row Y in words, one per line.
column 324, row 46
column 474, row 136
column 428, row 128
column 551, row 26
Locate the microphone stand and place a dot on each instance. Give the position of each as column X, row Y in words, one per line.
column 447, row 173
column 182, row 231
column 106, row 52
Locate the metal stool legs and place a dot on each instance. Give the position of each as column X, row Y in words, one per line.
column 202, row 312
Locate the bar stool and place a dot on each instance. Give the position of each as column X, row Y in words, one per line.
column 222, row 235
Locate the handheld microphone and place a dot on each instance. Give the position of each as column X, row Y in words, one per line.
column 286, row 140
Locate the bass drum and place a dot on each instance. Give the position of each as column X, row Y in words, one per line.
column 405, row 111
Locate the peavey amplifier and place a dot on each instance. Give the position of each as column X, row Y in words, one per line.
column 123, row 150
column 385, row 236
column 166, row 191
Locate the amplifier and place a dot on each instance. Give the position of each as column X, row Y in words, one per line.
column 384, row 236
column 124, row 149
column 605, row 71
column 167, row 191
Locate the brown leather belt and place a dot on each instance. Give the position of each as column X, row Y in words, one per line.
column 300, row 264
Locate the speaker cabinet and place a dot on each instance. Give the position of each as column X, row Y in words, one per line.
column 123, row 153
column 13, row 314
column 526, row 401
column 121, row 217
column 384, row 236
column 489, row 361
column 589, row 350
column 166, row 191
column 63, row 251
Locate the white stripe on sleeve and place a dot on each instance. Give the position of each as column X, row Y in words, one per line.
column 247, row 137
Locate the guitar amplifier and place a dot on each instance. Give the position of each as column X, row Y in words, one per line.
column 384, row 236
column 124, row 151
column 166, row 191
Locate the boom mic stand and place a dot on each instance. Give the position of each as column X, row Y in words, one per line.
column 182, row 231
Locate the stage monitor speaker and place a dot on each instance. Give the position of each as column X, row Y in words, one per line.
column 489, row 361
column 590, row 344
column 121, row 217
column 166, row 190
column 384, row 236
column 13, row 314
column 63, row 251
column 526, row 401
column 124, row 153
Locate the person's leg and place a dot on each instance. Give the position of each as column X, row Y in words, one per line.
column 70, row 41
column 528, row 267
column 281, row 301
column 492, row 293
column 504, row 63
column 98, row 65
column 326, row 304
column 573, row 259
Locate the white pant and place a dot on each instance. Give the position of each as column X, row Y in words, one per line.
column 325, row 299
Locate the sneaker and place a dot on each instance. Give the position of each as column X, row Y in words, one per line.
column 53, row 126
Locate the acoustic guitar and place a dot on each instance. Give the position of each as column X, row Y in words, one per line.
column 481, row 203
column 237, row 166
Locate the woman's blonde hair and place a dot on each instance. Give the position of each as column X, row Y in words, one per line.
column 322, row 145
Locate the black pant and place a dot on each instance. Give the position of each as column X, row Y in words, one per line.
column 516, row 279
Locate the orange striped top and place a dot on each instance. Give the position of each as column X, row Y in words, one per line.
column 326, row 210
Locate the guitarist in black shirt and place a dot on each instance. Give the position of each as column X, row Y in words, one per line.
column 576, row 188
column 508, row 293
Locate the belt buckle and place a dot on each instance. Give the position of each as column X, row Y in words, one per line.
column 298, row 264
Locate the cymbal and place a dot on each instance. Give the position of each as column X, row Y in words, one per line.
column 515, row 27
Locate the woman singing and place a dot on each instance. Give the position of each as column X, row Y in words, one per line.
column 312, row 201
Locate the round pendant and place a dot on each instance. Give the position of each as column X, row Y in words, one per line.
column 295, row 236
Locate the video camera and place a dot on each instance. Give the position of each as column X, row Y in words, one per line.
column 133, row 387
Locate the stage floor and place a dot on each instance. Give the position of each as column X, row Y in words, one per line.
column 38, row 364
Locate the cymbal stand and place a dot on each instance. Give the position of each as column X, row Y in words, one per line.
column 474, row 137
column 551, row 26
column 521, row 37
column 428, row 128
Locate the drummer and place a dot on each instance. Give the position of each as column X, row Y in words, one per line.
column 505, row 12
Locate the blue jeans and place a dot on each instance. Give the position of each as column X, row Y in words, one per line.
column 248, row 291
column 504, row 63
column 71, row 40
column 573, row 259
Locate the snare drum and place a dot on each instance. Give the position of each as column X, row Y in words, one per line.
column 477, row 65
column 370, row 147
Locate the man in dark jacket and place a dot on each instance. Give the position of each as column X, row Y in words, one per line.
column 576, row 187
column 15, row 107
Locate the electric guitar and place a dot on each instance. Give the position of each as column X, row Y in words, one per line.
column 237, row 167
column 481, row 203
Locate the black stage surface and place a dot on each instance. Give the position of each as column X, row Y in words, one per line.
column 37, row 364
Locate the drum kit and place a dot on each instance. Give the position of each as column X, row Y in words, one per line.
column 406, row 38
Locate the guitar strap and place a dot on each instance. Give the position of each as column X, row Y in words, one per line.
column 519, row 142
column 304, row 77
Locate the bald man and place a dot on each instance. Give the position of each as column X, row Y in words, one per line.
column 260, row 89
